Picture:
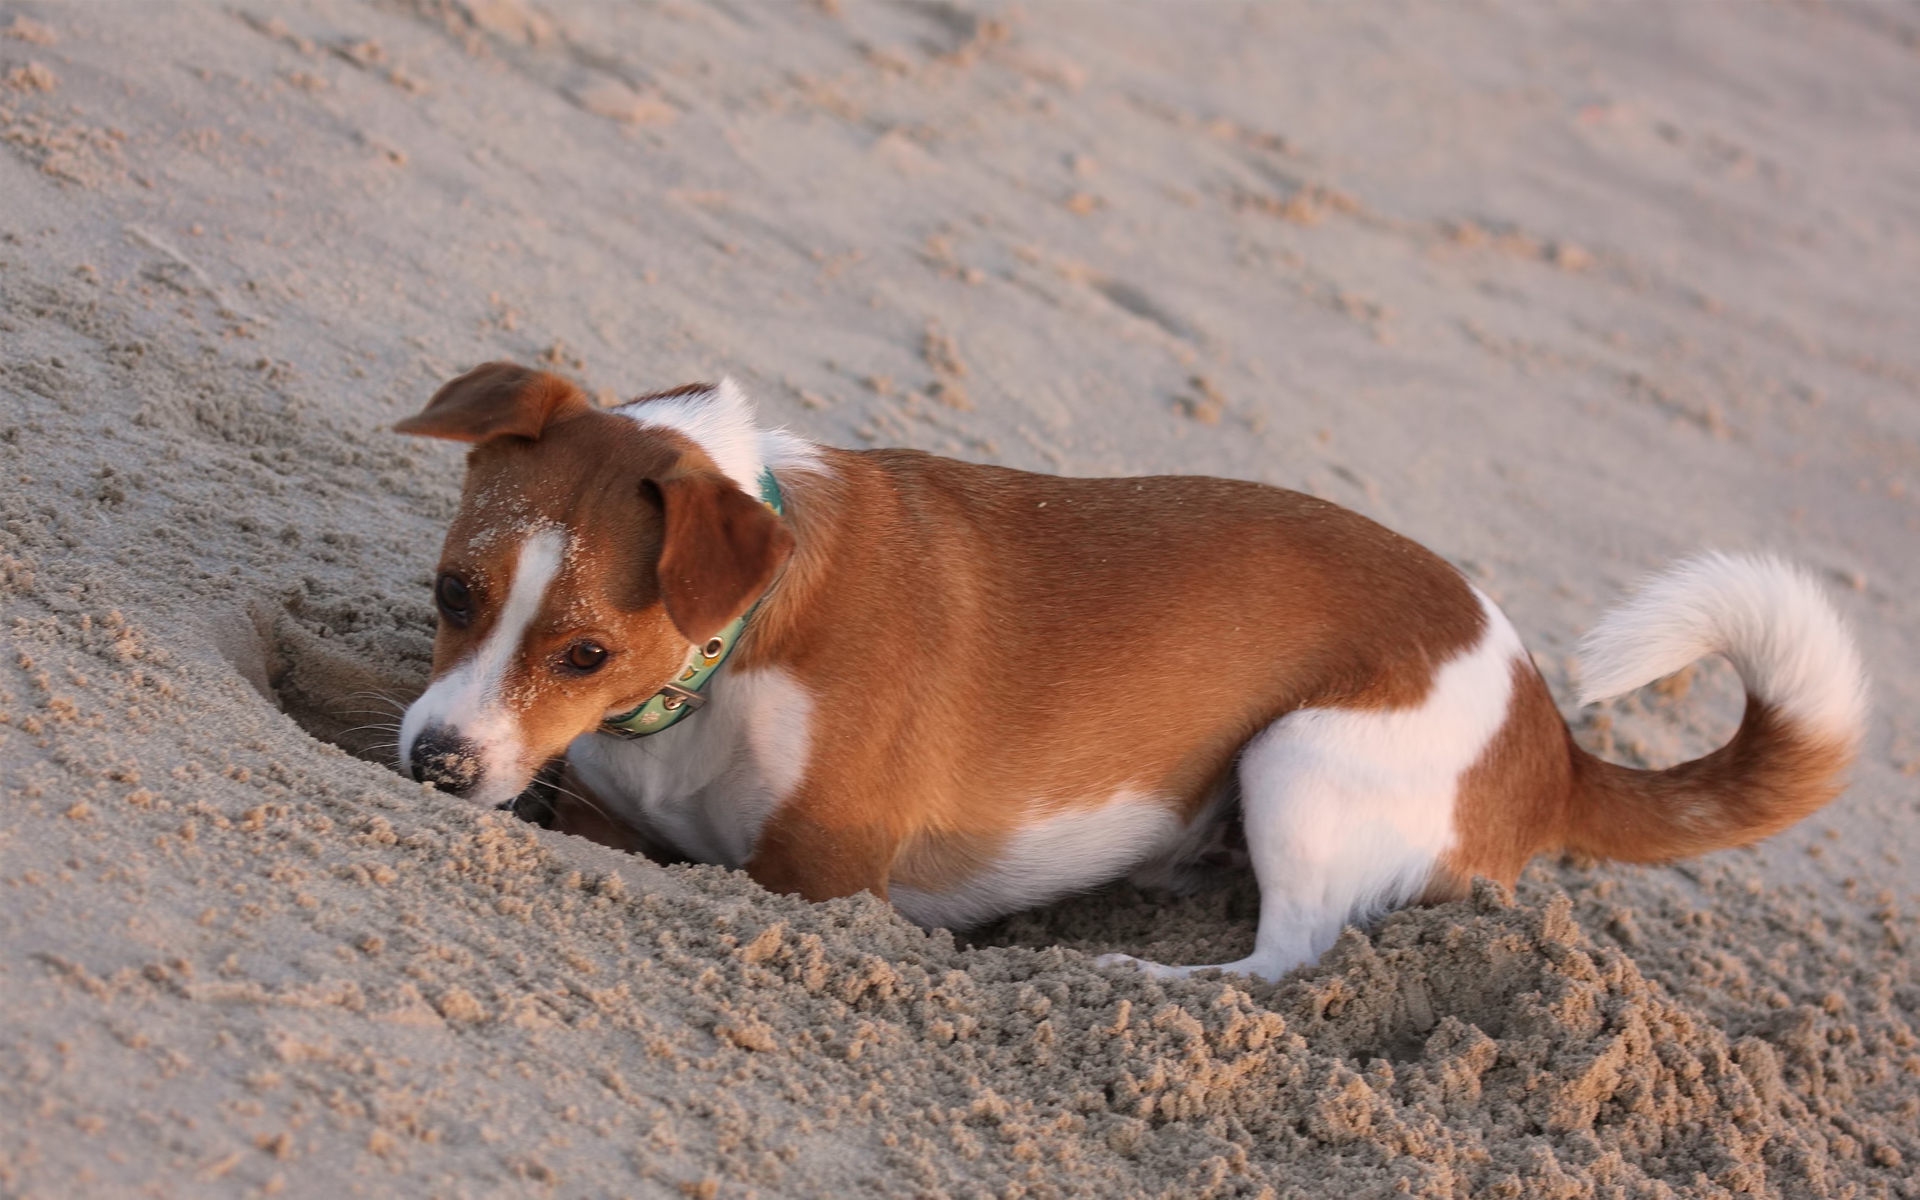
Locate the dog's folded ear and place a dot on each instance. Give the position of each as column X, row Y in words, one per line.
column 721, row 549
column 496, row 399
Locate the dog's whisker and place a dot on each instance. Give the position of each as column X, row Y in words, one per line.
column 394, row 703
column 552, row 782
column 569, row 792
column 386, row 725
column 376, row 693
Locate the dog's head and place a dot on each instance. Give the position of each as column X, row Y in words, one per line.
column 593, row 548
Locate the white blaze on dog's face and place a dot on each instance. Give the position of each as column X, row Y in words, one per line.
column 590, row 553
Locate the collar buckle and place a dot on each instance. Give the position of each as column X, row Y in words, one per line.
column 673, row 696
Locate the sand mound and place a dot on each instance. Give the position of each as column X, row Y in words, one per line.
column 242, row 956
column 1501, row 1050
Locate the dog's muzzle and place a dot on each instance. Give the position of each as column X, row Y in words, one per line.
column 446, row 760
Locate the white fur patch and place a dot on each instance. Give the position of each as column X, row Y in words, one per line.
column 707, row 786
column 468, row 699
column 1347, row 811
column 1059, row 854
column 720, row 421
column 1769, row 618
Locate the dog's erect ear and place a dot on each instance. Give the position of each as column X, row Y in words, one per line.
column 496, row 399
column 721, row 550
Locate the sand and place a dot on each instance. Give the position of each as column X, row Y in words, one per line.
column 1560, row 292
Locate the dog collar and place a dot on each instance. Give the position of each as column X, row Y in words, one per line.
column 684, row 695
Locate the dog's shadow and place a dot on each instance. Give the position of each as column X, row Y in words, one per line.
column 1214, row 924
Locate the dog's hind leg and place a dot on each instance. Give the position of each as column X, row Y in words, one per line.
column 1348, row 811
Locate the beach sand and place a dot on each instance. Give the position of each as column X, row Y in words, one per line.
column 1561, row 292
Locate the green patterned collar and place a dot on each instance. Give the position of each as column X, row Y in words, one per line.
column 685, row 694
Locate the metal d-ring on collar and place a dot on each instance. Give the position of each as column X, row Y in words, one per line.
column 684, row 694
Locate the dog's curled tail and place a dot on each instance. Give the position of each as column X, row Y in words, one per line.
column 1806, row 709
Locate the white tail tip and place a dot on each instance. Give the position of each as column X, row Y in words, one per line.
column 1770, row 618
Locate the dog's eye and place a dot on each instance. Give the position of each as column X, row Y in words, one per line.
column 455, row 601
column 586, row 656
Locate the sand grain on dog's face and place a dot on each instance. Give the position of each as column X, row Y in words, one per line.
column 1514, row 283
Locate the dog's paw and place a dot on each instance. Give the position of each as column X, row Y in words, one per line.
column 1153, row 969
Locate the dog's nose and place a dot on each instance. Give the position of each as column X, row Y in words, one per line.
column 446, row 760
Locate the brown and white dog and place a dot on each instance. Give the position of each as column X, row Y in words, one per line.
column 969, row 690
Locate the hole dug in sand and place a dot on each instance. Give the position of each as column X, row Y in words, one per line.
column 1492, row 977
column 344, row 672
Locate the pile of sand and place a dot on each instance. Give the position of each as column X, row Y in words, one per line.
column 241, row 955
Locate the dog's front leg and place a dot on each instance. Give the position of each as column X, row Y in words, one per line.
column 808, row 852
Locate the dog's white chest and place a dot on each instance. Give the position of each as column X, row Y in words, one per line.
column 707, row 786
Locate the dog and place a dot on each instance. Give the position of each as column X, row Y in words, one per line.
column 971, row 690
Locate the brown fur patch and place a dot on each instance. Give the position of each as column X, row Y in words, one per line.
column 496, row 399
column 1535, row 790
column 722, row 548
column 989, row 645
column 1511, row 804
column 1768, row 777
